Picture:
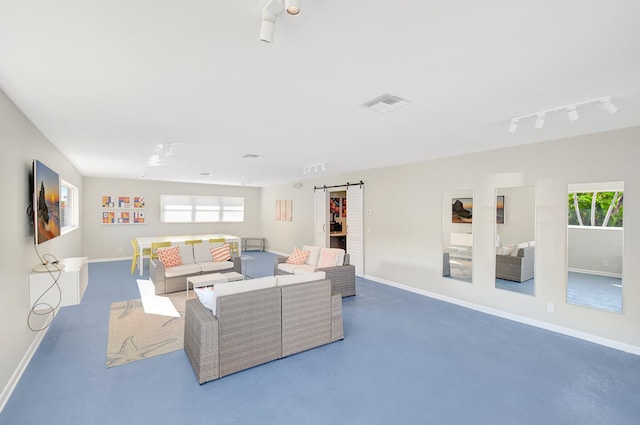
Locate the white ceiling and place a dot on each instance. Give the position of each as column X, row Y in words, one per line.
column 107, row 81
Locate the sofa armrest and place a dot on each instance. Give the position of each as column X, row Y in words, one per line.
column 343, row 279
column 156, row 275
column 306, row 316
column 201, row 331
column 279, row 259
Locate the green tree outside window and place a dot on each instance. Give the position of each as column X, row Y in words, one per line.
column 603, row 209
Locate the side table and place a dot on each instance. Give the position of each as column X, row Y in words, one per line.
column 253, row 244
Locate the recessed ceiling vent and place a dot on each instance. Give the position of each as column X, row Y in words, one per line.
column 385, row 103
column 251, row 156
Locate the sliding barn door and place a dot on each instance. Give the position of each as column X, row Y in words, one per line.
column 355, row 226
column 320, row 218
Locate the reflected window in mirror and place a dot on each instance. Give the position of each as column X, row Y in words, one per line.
column 457, row 235
column 515, row 239
column 595, row 238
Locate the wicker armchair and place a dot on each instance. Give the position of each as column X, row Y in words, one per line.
column 343, row 278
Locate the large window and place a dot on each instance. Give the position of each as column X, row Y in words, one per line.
column 201, row 209
column 602, row 209
column 68, row 207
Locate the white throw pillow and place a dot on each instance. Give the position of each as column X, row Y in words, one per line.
column 314, row 254
column 241, row 286
column 205, row 295
column 202, row 251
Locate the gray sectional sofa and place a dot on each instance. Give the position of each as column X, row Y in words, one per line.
column 342, row 274
column 256, row 326
column 196, row 260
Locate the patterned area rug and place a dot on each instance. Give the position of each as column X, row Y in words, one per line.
column 135, row 335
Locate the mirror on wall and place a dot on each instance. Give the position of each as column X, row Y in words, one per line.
column 515, row 239
column 595, row 237
column 457, row 235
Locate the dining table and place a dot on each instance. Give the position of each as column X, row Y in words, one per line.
column 144, row 242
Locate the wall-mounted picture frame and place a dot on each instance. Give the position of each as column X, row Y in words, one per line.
column 500, row 209
column 462, row 210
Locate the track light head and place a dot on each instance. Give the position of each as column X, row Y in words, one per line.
column 608, row 106
column 540, row 121
column 292, row 7
column 572, row 112
column 267, row 30
column 513, row 126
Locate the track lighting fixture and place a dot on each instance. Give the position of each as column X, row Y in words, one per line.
column 572, row 112
column 270, row 12
column 608, row 106
column 292, row 7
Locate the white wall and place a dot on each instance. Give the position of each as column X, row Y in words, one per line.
column 403, row 234
column 114, row 240
column 520, row 215
column 22, row 143
column 595, row 249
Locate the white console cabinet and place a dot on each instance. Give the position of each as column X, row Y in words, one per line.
column 73, row 281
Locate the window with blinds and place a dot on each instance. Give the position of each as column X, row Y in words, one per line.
column 200, row 209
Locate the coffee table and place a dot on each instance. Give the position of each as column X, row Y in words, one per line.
column 211, row 279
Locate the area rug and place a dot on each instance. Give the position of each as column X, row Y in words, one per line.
column 135, row 335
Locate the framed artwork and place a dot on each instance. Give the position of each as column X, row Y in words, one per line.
column 118, row 209
column 138, row 202
column 278, row 210
column 500, row 209
column 462, row 210
column 138, row 217
column 334, row 206
column 107, row 202
column 344, row 207
column 108, row 217
column 288, row 209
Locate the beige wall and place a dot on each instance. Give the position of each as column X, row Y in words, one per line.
column 114, row 241
column 404, row 230
column 22, row 143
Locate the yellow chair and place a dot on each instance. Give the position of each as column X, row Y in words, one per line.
column 193, row 241
column 233, row 245
column 137, row 255
column 217, row 240
column 156, row 245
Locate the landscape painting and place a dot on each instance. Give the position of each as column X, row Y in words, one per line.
column 462, row 210
column 500, row 210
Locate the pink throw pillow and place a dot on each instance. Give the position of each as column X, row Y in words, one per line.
column 170, row 257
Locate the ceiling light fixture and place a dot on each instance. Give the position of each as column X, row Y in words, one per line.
column 314, row 168
column 608, row 106
column 270, row 12
column 572, row 112
column 292, row 7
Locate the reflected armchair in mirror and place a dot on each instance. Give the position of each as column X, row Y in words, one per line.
column 516, row 264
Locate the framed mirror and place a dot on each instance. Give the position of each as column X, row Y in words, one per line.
column 457, row 235
column 595, row 245
column 516, row 239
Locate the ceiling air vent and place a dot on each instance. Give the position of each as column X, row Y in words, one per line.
column 251, row 156
column 385, row 103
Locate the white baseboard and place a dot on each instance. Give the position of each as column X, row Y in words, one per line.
column 17, row 374
column 596, row 273
column 105, row 260
column 516, row 318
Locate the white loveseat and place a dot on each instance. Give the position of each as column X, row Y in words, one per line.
column 339, row 271
column 196, row 260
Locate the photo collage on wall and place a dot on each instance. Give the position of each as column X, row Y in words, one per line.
column 122, row 209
